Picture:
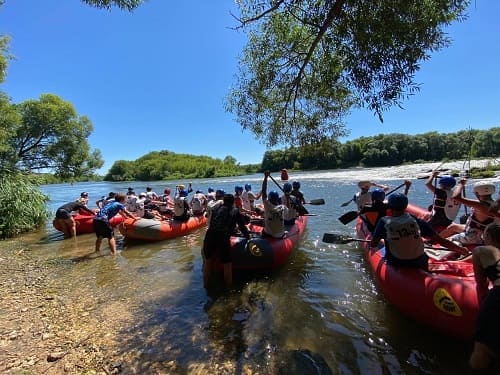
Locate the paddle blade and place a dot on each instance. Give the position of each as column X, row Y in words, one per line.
column 336, row 238
column 348, row 217
column 317, row 202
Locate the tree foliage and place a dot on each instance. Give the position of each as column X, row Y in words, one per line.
column 22, row 205
column 307, row 63
column 108, row 4
column 47, row 134
column 387, row 150
column 167, row 165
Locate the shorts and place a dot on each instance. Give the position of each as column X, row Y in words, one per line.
column 471, row 237
column 420, row 262
column 61, row 213
column 488, row 324
column 439, row 221
column 217, row 243
column 103, row 229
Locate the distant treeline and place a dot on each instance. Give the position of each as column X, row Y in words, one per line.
column 167, row 165
column 387, row 150
column 377, row 151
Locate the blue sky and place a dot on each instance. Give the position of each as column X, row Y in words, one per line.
column 156, row 79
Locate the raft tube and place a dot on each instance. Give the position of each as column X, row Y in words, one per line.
column 84, row 223
column 444, row 297
column 154, row 230
column 264, row 253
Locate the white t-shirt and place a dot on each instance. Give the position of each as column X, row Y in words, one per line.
column 273, row 219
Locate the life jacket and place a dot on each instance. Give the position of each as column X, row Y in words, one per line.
column 444, row 205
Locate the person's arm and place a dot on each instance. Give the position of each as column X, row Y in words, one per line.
column 479, row 274
column 427, row 231
column 459, row 197
column 264, row 185
column 127, row 213
column 383, row 187
column 86, row 209
column 407, row 186
column 242, row 224
column 353, row 199
column 378, row 233
column 429, row 184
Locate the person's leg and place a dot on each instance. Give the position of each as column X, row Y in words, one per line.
column 72, row 225
column 66, row 227
column 112, row 244
column 481, row 356
column 207, row 271
column 98, row 243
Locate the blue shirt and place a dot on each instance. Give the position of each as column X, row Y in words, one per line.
column 110, row 210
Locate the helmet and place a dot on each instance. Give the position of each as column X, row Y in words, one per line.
column 287, row 187
column 248, row 187
column 219, row 193
column 183, row 193
column 447, row 181
column 167, row 191
column 84, row 194
column 397, row 201
column 274, row 197
column 238, row 188
column 378, row 195
column 364, row 184
column 210, row 190
column 199, row 191
column 296, row 185
column 484, row 188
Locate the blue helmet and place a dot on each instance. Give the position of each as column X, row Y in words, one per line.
column 397, row 201
column 220, row 193
column 248, row 187
column 287, row 187
column 238, row 188
column 378, row 195
column 274, row 197
column 447, row 181
column 183, row 193
column 210, row 190
column 296, row 185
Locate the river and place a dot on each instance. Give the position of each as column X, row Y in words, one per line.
column 150, row 305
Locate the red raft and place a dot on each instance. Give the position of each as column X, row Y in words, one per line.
column 154, row 230
column 265, row 253
column 84, row 223
column 444, row 297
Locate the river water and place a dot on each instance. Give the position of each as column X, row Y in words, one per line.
column 323, row 302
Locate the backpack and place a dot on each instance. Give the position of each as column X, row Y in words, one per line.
column 222, row 220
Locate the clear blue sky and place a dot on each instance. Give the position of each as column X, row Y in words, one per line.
column 156, row 79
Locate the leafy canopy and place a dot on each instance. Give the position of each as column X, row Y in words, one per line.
column 307, row 63
column 107, row 4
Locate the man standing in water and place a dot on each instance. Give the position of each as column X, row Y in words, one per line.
column 101, row 223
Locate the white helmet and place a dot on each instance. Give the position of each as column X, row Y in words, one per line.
column 364, row 184
column 484, row 188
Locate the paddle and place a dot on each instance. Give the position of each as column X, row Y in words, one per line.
column 316, row 202
column 301, row 210
column 351, row 215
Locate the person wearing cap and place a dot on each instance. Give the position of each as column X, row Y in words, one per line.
column 471, row 232
column 84, row 199
column 444, row 208
column 364, row 197
column 198, row 203
column 274, row 211
column 403, row 233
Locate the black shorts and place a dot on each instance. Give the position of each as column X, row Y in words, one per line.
column 61, row 213
column 217, row 243
column 488, row 322
column 420, row 262
column 103, row 229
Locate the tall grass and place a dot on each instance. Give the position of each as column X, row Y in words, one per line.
column 22, row 205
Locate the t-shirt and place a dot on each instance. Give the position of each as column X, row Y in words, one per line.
column 273, row 219
column 110, row 210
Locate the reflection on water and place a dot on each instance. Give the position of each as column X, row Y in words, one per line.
column 320, row 309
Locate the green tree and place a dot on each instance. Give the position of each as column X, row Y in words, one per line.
column 307, row 63
column 52, row 136
column 108, row 4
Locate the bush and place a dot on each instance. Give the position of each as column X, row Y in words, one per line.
column 22, row 205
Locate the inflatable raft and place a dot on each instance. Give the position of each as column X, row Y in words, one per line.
column 444, row 297
column 84, row 223
column 154, row 230
column 265, row 253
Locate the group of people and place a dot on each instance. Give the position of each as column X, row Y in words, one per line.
column 477, row 239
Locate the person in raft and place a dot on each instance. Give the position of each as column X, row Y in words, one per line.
column 471, row 232
column 223, row 222
column 403, row 234
column 486, row 261
column 274, row 211
column 101, row 221
column 364, row 196
column 444, row 208
column 65, row 218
